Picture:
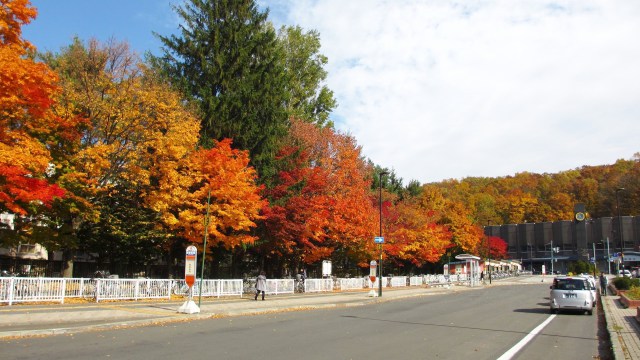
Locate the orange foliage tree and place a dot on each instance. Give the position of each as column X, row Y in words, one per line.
column 222, row 177
column 465, row 235
column 136, row 132
column 413, row 233
column 320, row 201
column 26, row 92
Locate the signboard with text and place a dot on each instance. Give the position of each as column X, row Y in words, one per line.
column 190, row 265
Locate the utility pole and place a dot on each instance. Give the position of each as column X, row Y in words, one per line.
column 552, row 251
column 594, row 260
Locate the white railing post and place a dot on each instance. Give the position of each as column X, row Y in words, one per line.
column 11, row 286
column 63, row 290
column 136, row 289
column 98, row 289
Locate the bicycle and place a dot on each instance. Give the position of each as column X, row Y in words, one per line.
column 180, row 288
column 90, row 289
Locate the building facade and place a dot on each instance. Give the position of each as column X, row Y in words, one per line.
column 532, row 243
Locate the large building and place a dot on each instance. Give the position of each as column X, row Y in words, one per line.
column 532, row 243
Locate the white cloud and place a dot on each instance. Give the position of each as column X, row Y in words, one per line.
column 441, row 90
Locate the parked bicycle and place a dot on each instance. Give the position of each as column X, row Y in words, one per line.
column 180, row 288
column 90, row 287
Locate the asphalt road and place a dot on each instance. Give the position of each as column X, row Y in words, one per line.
column 478, row 324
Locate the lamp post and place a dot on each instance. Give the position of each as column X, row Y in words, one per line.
column 595, row 263
column 552, row 251
column 530, row 258
column 382, row 173
column 620, row 229
column 608, row 257
column 489, row 250
column 606, row 254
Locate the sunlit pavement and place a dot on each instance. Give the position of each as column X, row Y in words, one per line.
column 41, row 320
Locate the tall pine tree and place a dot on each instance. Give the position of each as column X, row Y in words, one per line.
column 227, row 59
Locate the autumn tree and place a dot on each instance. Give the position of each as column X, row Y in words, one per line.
column 413, row 233
column 465, row 233
column 320, row 204
column 497, row 248
column 136, row 128
column 218, row 181
column 27, row 126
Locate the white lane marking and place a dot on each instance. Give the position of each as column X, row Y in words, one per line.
column 517, row 347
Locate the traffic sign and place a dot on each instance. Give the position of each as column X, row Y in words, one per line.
column 373, row 265
column 379, row 240
column 190, row 265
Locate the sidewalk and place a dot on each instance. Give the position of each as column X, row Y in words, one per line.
column 623, row 328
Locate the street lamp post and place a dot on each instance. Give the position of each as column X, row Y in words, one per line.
column 595, row 262
column 552, row 251
column 620, row 229
column 552, row 273
column 382, row 173
column 608, row 257
column 489, row 248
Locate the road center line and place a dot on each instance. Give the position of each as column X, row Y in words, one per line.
column 517, row 347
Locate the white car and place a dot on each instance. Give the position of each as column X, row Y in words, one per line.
column 625, row 272
column 594, row 290
column 571, row 293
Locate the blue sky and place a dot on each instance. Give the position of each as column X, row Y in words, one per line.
column 440, row 89
column 125, row 20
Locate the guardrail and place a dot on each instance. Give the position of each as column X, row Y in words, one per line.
column 19, row 289
column 318, row 285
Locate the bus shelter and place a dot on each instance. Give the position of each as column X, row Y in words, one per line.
column 473, row 264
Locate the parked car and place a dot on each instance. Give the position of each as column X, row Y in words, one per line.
column 571, row 293
column 625, row 272
column 594, row 291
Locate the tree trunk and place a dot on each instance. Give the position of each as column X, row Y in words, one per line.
column 67, row 263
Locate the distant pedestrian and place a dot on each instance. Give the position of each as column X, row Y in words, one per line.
column 482, row 276
column 261, row 285
column 603, row 284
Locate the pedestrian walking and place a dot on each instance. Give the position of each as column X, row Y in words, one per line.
column 261, row 285
column 603, row 284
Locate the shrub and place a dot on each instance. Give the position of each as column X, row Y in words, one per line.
column 633, row 293
column 625, row 283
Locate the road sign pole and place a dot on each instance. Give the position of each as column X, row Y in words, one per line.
column 190, row 264
column 379, row 240
column 372, row 276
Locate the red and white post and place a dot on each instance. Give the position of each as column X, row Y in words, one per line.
column 190, row 265
column 373, row 265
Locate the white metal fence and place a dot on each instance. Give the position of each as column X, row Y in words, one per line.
column 318, row 285
column 353, row 283
column 131, row 289
column 217, row 288
column 18, row 289
column 398, row 281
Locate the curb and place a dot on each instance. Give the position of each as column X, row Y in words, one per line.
column 616, row 346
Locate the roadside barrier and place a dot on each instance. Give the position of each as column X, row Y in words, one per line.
column 19, row 289
column 318, row 285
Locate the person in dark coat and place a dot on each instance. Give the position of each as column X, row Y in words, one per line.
column 261, row 285
column 603, row 284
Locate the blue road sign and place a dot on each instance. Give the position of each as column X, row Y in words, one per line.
column 379, row 240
